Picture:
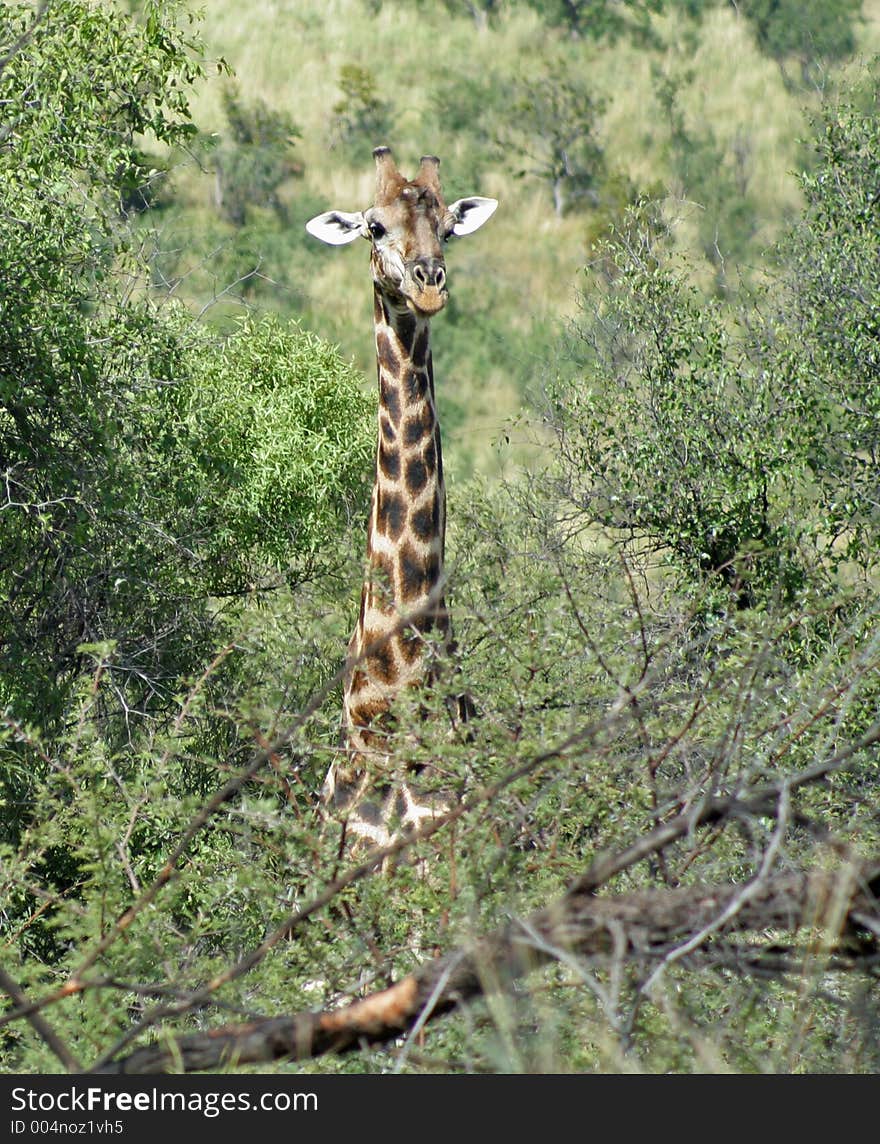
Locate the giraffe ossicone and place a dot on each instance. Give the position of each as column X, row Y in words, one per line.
column 402, row 619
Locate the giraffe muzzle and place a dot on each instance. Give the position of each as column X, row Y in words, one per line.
column 428, row 302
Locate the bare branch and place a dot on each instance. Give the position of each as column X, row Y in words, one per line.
column 578, row 921
column 645, row 924
column 38, row 1023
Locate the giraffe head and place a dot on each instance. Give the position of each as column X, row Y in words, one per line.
column 407, row 226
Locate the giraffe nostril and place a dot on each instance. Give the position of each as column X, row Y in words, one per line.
column 429, row 272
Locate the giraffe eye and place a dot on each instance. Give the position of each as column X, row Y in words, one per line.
column 376, row 229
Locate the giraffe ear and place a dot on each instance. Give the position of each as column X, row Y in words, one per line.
column 469, row 214
column 337, row 227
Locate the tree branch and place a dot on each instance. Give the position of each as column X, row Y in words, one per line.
column 39, row 1024
column 25, row 37
column 383, row 1016
column 639, row 927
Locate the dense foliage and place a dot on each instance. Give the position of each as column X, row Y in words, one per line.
column 116, row 417
column 151, row 473
column 674, row 600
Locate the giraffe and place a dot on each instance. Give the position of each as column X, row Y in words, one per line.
column 402, row 609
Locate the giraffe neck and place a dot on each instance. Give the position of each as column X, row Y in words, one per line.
column 405, row 541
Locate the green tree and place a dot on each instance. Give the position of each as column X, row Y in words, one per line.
column 831, row 342
column 601, row 19
column 549, row 132
column 663, row 438
column 361, row 118
column 117, row 525
column 154, row 478
column 274, row 418
column 741, row 438
column 255, row 160
column 817, row 33
column 75, row 364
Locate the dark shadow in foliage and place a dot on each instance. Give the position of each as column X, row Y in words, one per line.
column 255, row 159
column 360, row 116
column 813, row 34
column 549, row 132
column 717, row 177
column 601, row 19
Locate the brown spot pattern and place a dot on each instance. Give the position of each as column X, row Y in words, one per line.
column 411, row 646
column 425, row 522
column 391, row 514
column 389, row 462
column 413, row 580
column 416, row 476
column 416, row 426
column 381, row 664
column 385, row 354
column 389, row 398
